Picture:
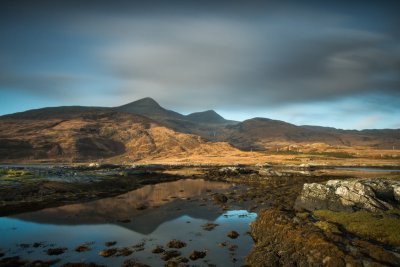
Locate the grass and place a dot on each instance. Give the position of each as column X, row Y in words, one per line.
column 383, row 227
column 328, row 227
column 340, row 154
column 11, row 174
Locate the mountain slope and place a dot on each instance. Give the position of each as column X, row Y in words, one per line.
column 262, row 134
column 204, row 124
column 143, row 129
column 148, row 107
column 95, row 135
column 209, row 116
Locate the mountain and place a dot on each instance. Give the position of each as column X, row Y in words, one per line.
column 96, row 134
column 148, row 107
column 209, row 116
column 264, row 134
column 143, row 130
column 63, row 112
column 204, row 124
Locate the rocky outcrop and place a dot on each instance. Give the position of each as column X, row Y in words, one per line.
column 235, row 171
column 337, row 195
column 281, row 241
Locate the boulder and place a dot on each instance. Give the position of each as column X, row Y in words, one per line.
column 264, row 165
column 339, row 195
column 396, row 192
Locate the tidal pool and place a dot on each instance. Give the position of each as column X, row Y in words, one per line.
column 139, row 221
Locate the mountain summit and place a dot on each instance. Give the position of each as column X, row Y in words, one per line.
column 148, row 107
column 208, row 116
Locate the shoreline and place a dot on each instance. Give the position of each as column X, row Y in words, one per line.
column 269, row 191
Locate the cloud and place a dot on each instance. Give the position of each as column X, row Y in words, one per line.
column 233, row 56
column 40, row 83
column 59, row 88
column 368, row 122
column 225, row 62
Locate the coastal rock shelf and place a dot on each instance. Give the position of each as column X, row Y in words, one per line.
column 350, row 195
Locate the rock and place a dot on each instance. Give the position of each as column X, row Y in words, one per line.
column 37, row 244
column 124, row 220
column 176, row 244
column 222, row 244
column 141, row 207
column 279, row 242
column 264, row 165
column 82, row 248
column 158, row 250
column 306, row 166
column 108, row 252
column 169, row 254
column 139, row 246
column 81, row 264
column 197, row 255
column 396, row 192
column 220, row 198
column 377, row 253
column 56, row 251
column 110, row 243
column 235, row 171
column 133, row 263
column 233, row 234
column 94, row 165
column 123, row 252
column 209, row 226
column 177, row 262
column 232, row 248
column 350, row 195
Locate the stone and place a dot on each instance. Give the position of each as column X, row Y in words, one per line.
column 264, row 165
column 169, row 254
column 82, row 248
column 110, row 243
column 158, row 250
column 349, row 195
column 176, row 244
column 233, row 234
column 108, row 252
column 396, row 192
column 133, row 263
column 209, row 226
column 220, row 198
column 195, row 255
column 56, row 251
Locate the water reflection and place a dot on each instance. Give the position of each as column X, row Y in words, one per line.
column 139, row 210
column 176, row 210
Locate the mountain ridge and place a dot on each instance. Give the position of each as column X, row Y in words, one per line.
column 143, row 128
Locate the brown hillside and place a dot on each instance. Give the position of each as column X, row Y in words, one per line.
column 95, row 135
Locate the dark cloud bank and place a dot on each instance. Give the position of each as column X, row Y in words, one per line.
column 195, row 55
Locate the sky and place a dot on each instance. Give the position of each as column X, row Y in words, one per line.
column 328, row 63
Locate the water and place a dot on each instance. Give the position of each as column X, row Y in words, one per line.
column 174, row 210
column 366, row 169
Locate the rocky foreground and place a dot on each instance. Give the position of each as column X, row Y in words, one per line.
column 336, row 195
column 305, row 217
column 337, row 223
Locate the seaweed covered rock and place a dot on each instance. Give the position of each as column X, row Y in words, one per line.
column 279, row 241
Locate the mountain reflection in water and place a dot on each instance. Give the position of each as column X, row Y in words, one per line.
column 175, row 210
column 141, row 210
